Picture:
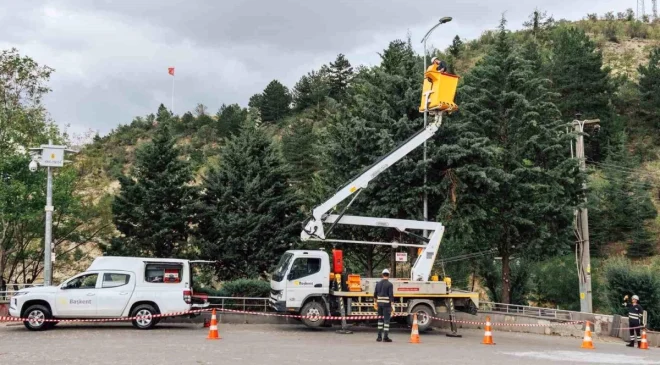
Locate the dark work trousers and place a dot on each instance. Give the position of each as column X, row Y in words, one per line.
column 634, row 332
column 384, row 310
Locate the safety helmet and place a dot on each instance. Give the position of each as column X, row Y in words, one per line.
column 386, row 272
column 635, row 297
column 434, row 59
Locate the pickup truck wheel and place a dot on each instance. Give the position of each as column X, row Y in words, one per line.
column 424, row 317
column 314, row 310
column 37, row 316
column 145, row 312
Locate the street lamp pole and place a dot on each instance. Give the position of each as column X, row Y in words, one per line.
column 426, row 113
column 48, row 156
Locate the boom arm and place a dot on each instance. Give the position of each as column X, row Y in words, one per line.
column 314, row 229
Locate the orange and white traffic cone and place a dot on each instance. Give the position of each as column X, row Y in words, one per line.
column 643, row 343
column 587, row 342
column 488, row 334
column 213, row 328
column 414, row 334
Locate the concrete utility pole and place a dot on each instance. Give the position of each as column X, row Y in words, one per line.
column 48, row 156
column 442, row 20
column 582, row 222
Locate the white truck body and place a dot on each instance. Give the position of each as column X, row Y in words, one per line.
column 111, row 287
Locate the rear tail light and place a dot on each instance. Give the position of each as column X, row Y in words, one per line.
column 187, row 296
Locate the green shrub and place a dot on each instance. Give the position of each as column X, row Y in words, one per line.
column 625, row 278
column 254, row 288
column 555, row 283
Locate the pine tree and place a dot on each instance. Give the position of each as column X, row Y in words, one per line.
column 163, row 115
column 154, row 210
column 456, row 47
column 255, row 101
column 249, row 212
column 230, row 119
column 275, row 103
column 299, row 149
column 509, row 182
column 340, row 74
column 649, row 88
column 311, row 91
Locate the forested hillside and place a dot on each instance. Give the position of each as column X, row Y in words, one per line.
column 233, row 185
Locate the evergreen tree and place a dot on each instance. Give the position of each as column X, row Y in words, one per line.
column 255, row 101
column 299, row 150
column 578, row 75
column 456, row 47
column 154, row 210
column 163, row 115
column 249, row 213
column 230, row 119
column 275, row 103
column 311, row 91
column 649, row 88
column 510, row 184
column 340, row 74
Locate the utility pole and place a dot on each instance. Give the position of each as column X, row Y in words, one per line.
column 48, row 156
column 655, row 9
column 640, row 9
column 582, row 222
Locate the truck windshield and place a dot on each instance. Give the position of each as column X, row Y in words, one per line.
column 282, row 266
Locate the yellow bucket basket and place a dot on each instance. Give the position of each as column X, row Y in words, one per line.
column 442, row 90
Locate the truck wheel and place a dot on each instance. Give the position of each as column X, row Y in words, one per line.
column 424, row 314
column 37, row 316
column 313, row 309
column 146, row 320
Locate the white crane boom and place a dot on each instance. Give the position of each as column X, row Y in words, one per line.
column 314, row 229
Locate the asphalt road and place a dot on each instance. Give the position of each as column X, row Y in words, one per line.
column 291, row 344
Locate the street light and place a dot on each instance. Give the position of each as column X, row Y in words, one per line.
column 48, row 155
column 442, row 20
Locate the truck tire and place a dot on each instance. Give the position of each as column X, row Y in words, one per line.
column 424, row 314
column 146, row 311
column 37, row 314
column 313, row 309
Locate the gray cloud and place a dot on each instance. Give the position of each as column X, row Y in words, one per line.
column 111, row 57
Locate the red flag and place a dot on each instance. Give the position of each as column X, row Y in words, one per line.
column 170, row 70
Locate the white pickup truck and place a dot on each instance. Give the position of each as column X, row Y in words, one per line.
column 111, row 287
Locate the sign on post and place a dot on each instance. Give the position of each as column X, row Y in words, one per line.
column 52, row 157
column 401, row 256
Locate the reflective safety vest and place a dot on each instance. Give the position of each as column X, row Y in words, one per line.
column 384, row 292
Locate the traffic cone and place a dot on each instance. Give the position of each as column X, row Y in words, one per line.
column 643, row 344
column 213, row 328
column 414, row 334
column 488, row 335
column 587, row 343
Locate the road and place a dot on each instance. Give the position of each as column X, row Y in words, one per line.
column 290, row 344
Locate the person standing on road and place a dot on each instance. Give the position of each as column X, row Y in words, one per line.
column 384, row 302
column 635, row 318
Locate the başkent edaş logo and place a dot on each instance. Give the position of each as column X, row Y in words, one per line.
column 80, row 301
column 303, row 283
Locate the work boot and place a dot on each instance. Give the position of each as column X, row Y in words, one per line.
column 387, row 339
column 631, row 344
column 379, row 339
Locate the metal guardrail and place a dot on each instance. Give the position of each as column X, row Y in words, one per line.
column 239, row 303
column 525, row 310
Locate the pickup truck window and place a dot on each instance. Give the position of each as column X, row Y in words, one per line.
column 83, row 282
column 163, row 273
column 304, row 266
column 111, row 280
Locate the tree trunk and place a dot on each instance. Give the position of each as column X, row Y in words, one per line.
column 506, row 279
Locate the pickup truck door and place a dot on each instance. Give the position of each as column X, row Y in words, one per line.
column 77, row 297
column 115, row 291
column 305, row 278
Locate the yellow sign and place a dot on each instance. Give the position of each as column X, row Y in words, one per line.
column 582, row 295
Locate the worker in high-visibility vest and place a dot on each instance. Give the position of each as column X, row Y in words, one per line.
column 384, row 302
column 635, row 319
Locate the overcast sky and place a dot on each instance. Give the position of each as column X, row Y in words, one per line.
column 111, row 57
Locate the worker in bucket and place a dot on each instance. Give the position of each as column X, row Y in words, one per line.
column 437, row 65
column 384, row 302
column 635, row 318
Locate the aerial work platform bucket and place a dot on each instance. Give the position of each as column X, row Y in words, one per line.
column 441, row 90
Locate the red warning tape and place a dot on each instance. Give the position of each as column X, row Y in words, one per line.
column 510, row 324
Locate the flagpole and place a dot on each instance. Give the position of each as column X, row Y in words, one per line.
column 172, row 94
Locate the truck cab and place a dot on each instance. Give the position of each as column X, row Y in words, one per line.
column 112, row 287
column 301, row 276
